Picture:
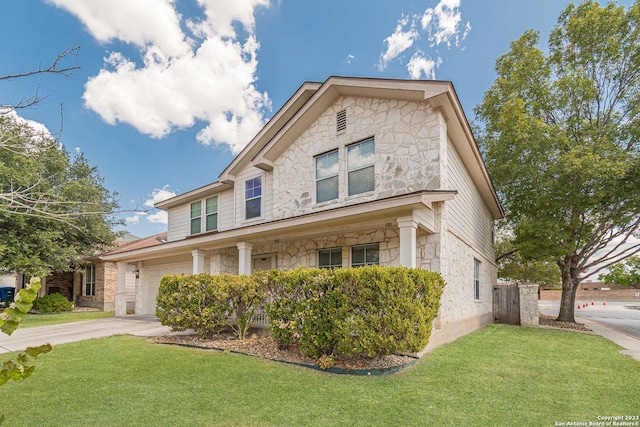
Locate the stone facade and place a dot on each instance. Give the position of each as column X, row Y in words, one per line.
column 529, row 310
column 407, row 137
column 431, row 206
column 303, row 252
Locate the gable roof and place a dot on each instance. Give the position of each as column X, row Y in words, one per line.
column 313, row 98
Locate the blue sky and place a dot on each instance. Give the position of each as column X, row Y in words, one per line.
column 169, row 90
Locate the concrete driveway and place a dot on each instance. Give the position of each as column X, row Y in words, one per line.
column 146, row 326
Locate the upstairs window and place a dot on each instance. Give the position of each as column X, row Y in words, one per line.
column 196, row 217
column 330, row 258
column 211, row 213
column 365, row 255
column 253, row 198
column 90, row 281
column 360, row 167
column 327, row 176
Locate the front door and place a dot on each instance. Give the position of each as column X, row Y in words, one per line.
column 261, row 263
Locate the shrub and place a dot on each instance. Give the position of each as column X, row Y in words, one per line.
column 52, row 303
column 205, row 302
column 369, row 311
column 199, row 302
column 246, row 296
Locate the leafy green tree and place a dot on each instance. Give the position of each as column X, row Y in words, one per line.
column 625, row 273
column 561, row 140
column 512, row 267
column 54, row 209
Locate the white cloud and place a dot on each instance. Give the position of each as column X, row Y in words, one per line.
column 420, row 65
column 140, row 22
column 208, row 75
column 153, row 216
column 37, row 129
column 398, row 42
column 160, row 195
column 440, row 25
column 349, row 59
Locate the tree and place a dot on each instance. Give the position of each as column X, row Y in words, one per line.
column 625, row 273
column 561, row 141
column 54, row 210
column 513, row 268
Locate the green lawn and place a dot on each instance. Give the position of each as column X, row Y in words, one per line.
column 53, row 318
column 499, row 376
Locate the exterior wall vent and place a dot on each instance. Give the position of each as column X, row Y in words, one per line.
column 341, row 121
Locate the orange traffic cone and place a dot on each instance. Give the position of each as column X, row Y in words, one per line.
column 604, row 303
column 592, row 302
column 578, row 306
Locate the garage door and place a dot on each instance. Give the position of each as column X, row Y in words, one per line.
column 151, row 280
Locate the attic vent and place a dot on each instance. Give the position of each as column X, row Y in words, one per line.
column 341, row 121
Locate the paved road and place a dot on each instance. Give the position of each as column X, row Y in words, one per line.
column 620, row 316
column 78, row 331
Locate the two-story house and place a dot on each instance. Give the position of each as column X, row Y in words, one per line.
column 349, row 172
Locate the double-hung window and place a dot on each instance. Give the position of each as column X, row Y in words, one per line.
column 253, row 198
column 476, row 279
column 327, row 176
column 360, row 167
column 330, row 258
column 196, row 217
column 211, row 214
column 90, row 280
column 365, row 255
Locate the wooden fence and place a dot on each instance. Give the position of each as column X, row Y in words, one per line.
column 506, row 304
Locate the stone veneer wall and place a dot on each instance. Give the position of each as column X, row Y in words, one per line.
column 529, row 310
column 458, row 302
column 303, row 252
column 407, row 136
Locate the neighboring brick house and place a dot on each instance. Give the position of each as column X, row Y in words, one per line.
column 95, row 284
column 349, row 172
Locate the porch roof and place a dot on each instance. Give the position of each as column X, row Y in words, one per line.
column 331, row 221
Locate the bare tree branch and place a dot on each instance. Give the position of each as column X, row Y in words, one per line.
column 56, row 67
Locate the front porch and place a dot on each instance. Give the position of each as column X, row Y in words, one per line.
column 401, row 231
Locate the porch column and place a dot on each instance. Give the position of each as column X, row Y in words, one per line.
column 198, row 261
column 244, row 257
column 408, row 227
column 121, row 290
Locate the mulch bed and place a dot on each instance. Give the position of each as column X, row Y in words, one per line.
column 550, row 321
column 266, row 348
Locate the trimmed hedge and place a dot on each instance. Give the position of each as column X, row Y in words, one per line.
column 369, row 311
column 204, row 302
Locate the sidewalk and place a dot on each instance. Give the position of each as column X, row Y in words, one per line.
column 630, row 343
column 146, row 326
